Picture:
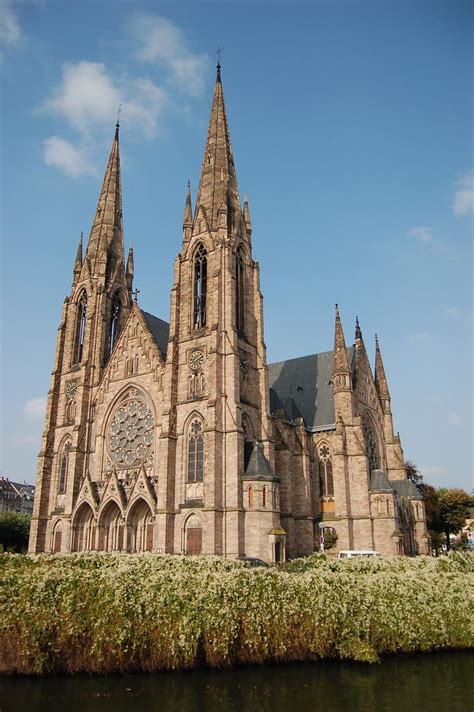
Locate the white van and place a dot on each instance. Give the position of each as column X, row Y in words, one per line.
column 353, row 552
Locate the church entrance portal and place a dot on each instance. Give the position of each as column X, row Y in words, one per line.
column 193, row 536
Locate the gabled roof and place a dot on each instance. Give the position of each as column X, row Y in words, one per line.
column 302, row 387
column 159, row 330
column 405, row 488
column 258, row 467
column 379, row 481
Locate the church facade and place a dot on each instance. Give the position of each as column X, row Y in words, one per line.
column 178, row 437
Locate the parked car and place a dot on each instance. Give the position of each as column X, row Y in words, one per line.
column 353, row 552
column 252, row 561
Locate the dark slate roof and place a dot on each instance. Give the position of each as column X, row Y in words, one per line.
column 379, row 481
column 159, row 329
column 258, row 467
column 405, row 488
column 302, row 387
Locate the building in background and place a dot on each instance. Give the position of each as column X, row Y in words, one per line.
column 178, row 437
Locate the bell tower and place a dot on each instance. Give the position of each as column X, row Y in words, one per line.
column 216, row 371
column 92, row 317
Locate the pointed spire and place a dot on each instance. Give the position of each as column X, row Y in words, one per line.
column 246, row 215
column 341, row 368
column 130, row 268
column 130, row 263
column 188, row 209
column 380, row 378
column 78, row 261
column 106, row 236
column 358, row 330
column 218, row 183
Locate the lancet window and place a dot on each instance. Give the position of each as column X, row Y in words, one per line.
column 81, row 318
column 239, row 290
column 114, row 323
column 195, row 452
column 371, row 447
column 64, row 466
column 326, row 479
column 200, row 287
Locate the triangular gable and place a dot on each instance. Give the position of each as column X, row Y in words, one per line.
column 88, row 493
column 136, row 352
column 143, row 488
column 114, row 490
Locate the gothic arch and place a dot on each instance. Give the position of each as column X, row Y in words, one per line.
column 192, row 534
column 325, row 469
column 80, row 324
column 63, row 458
column 110, row 527
column 139, row 433
column 371, row 442
column 140, row 525
column 56, row 537
column 200, row 256
column 83, row 528
column 114, row 321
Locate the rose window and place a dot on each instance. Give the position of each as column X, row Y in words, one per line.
column 130, row 434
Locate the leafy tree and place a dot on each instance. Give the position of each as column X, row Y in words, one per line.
column 413, row 474
column 14, row 531
column 454, row 506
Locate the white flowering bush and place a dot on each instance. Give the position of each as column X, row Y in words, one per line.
column 102, row 612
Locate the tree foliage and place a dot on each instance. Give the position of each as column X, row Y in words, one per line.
column 454, row 506
column 14, row 531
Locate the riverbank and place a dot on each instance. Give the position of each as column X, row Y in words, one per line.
column 104, row 613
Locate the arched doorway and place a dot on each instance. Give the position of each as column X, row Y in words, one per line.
column 57, row 538
column 111, row 528
column 83, row 529
column 140, row 527
column 193, row 535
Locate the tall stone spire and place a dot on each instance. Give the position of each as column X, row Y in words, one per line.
column 107, row 229
column 342, row 371
column 218, row 184
column 78, row 261
column 380, row 379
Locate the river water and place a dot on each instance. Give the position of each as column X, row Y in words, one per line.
column 440, row 682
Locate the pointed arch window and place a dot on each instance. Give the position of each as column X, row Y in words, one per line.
column 196, row 452
column 200, row 287
column 114, row 323
column 239, row 290
column 64, row 466
column 326, row 479
column 81, row 318
column 371, row 447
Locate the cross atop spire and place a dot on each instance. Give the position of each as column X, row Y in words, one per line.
column 218, row 187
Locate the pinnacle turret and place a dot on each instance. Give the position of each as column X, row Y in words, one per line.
column 78, row 261
column 218, row 187
column 130, row 268
column 106, row 238
column 342, row 371
column 246, row 216
column 188, row 209
column 380, row 379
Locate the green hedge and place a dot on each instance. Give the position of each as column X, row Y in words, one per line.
column 109, row 612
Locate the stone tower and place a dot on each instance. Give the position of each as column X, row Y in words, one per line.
column 216, row 384
column 92, row 316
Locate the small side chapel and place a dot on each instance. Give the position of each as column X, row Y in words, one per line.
column 178, row 437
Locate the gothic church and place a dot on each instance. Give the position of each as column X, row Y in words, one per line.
column 179, row 437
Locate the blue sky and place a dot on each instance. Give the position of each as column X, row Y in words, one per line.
column 351, row 125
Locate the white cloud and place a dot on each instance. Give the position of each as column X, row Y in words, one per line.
column 419, row 338
column 10, row 31
column 66, row 157
column 454, row 419
column 88, row 97
column 161, row 41
column 464, row 195
column 35, row 409
column 423, row 233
